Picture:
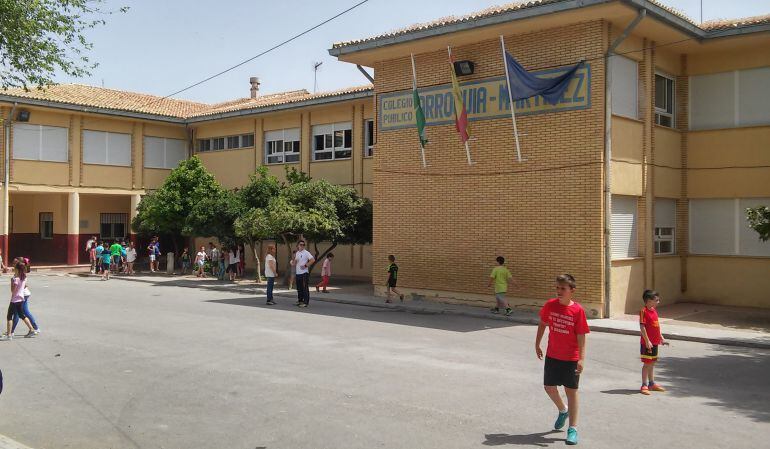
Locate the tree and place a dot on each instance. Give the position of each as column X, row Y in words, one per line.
column 38, row 38
column 215, row 216
column 169, row 210
column 759, row 220
column 251, row 222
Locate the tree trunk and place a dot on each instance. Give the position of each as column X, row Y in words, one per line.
column 253, row 245
column 287, row 275
column 318, row 257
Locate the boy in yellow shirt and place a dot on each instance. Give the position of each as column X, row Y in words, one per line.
column 501, row 277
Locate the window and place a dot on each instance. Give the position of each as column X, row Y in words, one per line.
column 204, row 145
column 225, row 143
column 106, row 148
column 719, row 227
column 113, row 226
column 730, row 99
column 665, row 226
column 333, row 141
column 664, row 101
column 625, row 86
column 282, row 146
column 46, row 225
column 623, row 237
column 160, row 152
column 40, row 143
column 369, row 138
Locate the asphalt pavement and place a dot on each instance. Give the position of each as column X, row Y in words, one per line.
column 163, row 364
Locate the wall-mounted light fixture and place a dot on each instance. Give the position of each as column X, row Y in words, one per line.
column 463, row 68
column 22, row 116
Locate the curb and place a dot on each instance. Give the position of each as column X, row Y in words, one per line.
column 7, row 443
column 595, row 325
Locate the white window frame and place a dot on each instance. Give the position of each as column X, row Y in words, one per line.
column 212, row 143
column 107, row 159
column 369, row 138
column 662, row 112
column 286, row 139
column 620, row 204
column 165, row 150
column 664, row 232
column 330, row 146
column 41, row 130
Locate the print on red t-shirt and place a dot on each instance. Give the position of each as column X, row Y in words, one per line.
column 565, row 323
column 649, row 319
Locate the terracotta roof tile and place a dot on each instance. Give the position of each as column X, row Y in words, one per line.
column 99, row 97
column 724, row 24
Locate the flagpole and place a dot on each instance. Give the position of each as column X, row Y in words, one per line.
column 414, row 85
column 510, row 98
column 457, row 114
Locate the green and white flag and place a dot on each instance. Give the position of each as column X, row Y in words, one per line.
column 418, row 114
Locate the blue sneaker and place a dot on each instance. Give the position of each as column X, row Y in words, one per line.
column 572, row 438
column 560, row 420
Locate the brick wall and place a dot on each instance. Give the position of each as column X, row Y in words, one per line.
column 447, row 223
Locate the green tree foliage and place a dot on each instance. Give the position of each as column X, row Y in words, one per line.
column 759, row 220
column 40, row 37
column 169, row 210
column 215, row 215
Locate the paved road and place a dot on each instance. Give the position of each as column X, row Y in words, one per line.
column 137, row 364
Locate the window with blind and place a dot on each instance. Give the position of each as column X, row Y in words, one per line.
column 106, row 148
column 334, row 141
column 40, row 143
column 664, row 231
column 719, row 227
column 369, row 140
column 113, row 225
column 624, row 218
column 282, row 146
column 160, row 152
column 625, row 86
column 46, row 225
column 730, row 99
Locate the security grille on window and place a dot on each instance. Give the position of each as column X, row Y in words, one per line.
column 106, row 148
column 160, row 152
column 665, row 226
column 46, row 225
column 369, row 139
column 225, row 143
column 40, row 143
column 113, row 226
column 664, row 101
column 333, row 141
column 282, row 146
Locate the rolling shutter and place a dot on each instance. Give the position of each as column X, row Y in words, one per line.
column 623, row 237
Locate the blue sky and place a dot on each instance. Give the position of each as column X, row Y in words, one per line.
column 159, row 47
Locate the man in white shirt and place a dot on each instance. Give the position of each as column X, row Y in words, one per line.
column 270, row 273
column 302, row 260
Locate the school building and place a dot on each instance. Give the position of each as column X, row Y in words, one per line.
column 639, row 177
column 79, row 158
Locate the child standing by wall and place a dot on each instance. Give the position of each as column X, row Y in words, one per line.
column 565, row 356
column 651, row 339
column 326, row 271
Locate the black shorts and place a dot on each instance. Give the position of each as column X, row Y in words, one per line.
column 649, row 355
column 561, row 372
column 392, row 283
column 232, row 268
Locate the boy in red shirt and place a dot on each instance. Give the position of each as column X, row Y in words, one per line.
column 567, row 325
column 651, row 339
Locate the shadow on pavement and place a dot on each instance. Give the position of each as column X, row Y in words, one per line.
column 533, row 439
column 623, row 392
column 746, row 370
column 392, row 316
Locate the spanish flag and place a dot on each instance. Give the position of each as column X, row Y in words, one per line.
column 461, row 115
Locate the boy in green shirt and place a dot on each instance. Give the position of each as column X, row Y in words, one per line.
column 501, row 277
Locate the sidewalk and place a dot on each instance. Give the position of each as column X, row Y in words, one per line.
column 7, row 443
column 730, row 326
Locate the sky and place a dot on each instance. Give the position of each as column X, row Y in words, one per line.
column 160, row 47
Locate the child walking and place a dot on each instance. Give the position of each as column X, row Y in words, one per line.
column 651, row 339
column 184, row 259
column 25, row 304
column 106, row 261
column 393, row 279
column 326, row 271
column 17, row 302
column 501, row 277
column 200, row 262
column 565, row 356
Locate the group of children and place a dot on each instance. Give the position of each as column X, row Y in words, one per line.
column 18, row 309
column 106, row 258
column 228, row 261
column 565, row 354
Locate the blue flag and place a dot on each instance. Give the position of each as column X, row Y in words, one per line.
column 524, row 85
